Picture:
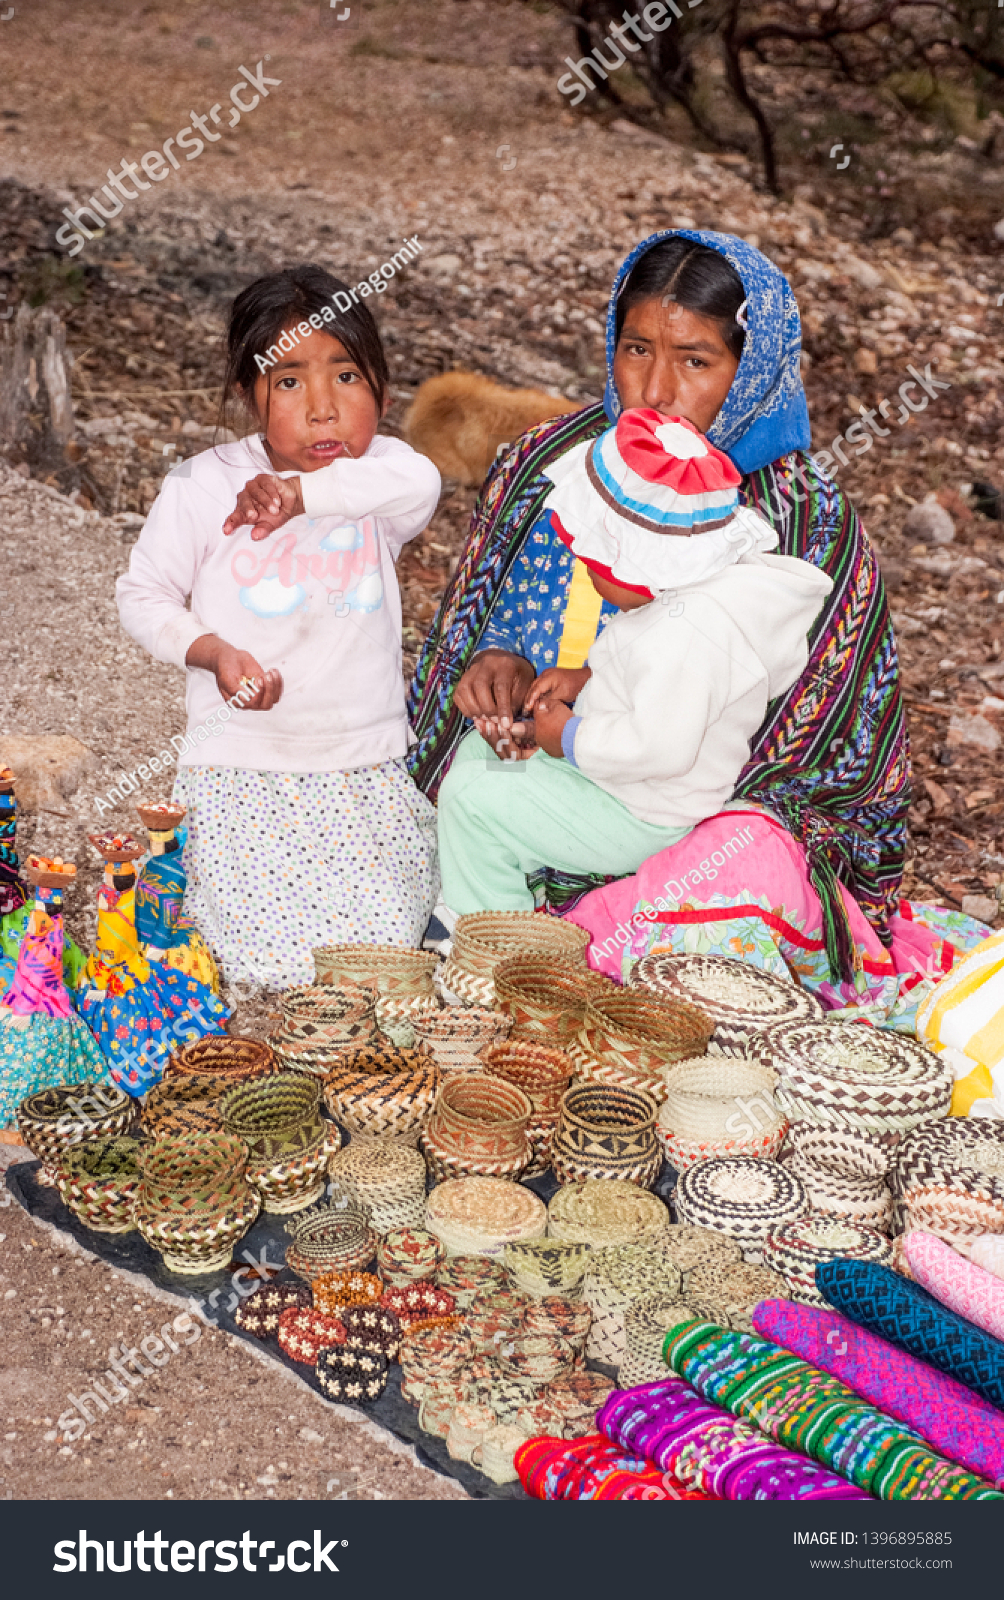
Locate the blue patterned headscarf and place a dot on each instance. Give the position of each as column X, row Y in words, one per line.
column 765, row 414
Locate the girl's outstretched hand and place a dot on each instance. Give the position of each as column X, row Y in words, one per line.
column 557, row 683
column 264, row 504
column 549, row 717
column 236, row 671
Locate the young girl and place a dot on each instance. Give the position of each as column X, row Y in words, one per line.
column 710, row 627
column 305, row 828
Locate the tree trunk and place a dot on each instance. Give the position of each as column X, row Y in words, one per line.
column 36, row 408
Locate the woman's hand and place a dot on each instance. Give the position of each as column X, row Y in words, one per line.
column 494, row 686
column 236, row 670
column 549, row 718
column 265, row 503
column 557, row 683
column 517, row 742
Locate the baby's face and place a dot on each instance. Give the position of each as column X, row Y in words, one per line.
column 320, row 406
column 673, row 361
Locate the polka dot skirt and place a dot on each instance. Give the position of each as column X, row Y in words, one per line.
column 280, row 862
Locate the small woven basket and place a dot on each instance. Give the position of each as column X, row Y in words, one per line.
column 741, row 1196
column 628, row 1037
column 739, row 998
column 320, row 1023
column 330, row 1239
column 480, row 1216
column 458, row 1037
column 467, row 1277
column 546, row 1267
column 544, row 997
column 289, row 1142
column 401, row 977
column 407, row 1256
column 386, row 1177
column 605, row 1213
column 615, row 1279
column 543, row 1075
column 605, row 1132
column 193, row 1203
column 719, row 1106
column 482, row 939
column 383, row 1092
column 52, row 1120
column 795, row 1249
column 225, row 1058
column 99, row 1181
column 863, row 1080
column 478, row 1128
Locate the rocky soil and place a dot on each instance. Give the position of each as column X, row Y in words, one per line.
column 410, row 124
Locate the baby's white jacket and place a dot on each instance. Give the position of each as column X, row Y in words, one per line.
column 318, row 599
column 679, row 687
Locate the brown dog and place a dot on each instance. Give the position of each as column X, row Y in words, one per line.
column 459, row 420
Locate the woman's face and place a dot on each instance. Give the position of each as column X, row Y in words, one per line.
column 673, row 361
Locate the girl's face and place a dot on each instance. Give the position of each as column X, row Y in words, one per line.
column 673, row 361
column 315, row 405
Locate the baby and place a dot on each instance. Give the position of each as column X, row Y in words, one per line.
column 649, row 738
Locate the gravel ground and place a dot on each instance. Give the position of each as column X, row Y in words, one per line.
column 512, row 281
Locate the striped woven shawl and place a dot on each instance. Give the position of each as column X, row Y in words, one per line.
column 831, row 760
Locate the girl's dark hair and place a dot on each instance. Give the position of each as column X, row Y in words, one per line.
column 261, row 311
column 696, row 277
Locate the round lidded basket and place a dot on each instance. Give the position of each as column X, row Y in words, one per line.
column 606, row 1212
column 480, row 1216
column 402, row 977
column 795, row 1249
column 728, row 1292
column 740, row 999
column 719, row 1106
column 99, row 1181
column 478, row 1127
column 407, row 1256
column 458, row 1036
column 629, row 1037
column 467, row 1277
column 383, row 1092
column 386, row 1177
column 544, row 1267
column 739, row 1195
column 544, row 997
column 482, row 939
column 52, row 1120
column 605, row 1133
column 226, row 1058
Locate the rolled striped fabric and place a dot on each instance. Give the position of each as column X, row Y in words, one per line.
column 953, row 1420
column 700, row 1444
column 885, row 1303
column 593, row 1468
column 810, row 1411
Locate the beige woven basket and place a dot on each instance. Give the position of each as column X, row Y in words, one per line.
column 615, row 1278
column 459, row 1036
column 320, row 1022
column 719, row 1106
column 401, row 977
column 386, row 1177
column 604, row 1213
column 544, row 997
column 480, row 1216
column 630, row 1037
column 484, row 938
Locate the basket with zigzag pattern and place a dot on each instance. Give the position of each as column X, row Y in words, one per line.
column 402, row 977
column 605, row 1133
column 482, row 939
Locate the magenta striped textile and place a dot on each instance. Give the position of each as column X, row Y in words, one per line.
column 951, row 1418
column 707, row 1448
column 959, row 1284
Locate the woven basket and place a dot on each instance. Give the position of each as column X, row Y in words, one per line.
column 467, row 1277
column 329, row 1239
column 628, row 1037
column 867, row 1080
column 458, row 1037
column 545, row 998
column 407, row 1256
column 543, row 1075
column 193, row 1203
column 547, row 1267
column 606, row 1132
column 480, row 1216
column 740, row 999
column 484, row 938
column 604, row 1213
column 401, row 977
column 225, row 1058
column 52, row 1120
column 615, row 1279
column 797, row 1248
column 319, row 1023
column 382, row 1092
column 386, row 1177
column 557, row 1314
column 478, row 1128
column 289, row 1143
column 688, row 1247
column 646, row 1323
column 740, row 1196
column 728, row 1292
column 719, row 1106
column 186, row 1102
column 843, row 1173
column 99, row 1181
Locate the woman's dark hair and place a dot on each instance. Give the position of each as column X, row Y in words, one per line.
column 261, row 311
column 697, row 278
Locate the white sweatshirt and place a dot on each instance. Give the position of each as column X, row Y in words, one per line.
column 318, row 599
column 679, row 687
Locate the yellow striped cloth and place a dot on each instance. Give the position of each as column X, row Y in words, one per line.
column 963, row 1020
column 582, row 618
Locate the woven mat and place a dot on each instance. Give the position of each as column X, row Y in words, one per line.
column 131, row 1253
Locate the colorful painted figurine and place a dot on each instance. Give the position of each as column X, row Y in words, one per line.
column 165, row 933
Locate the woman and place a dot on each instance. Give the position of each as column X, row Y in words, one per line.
column 703, row 326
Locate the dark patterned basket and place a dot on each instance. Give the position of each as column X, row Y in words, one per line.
column 606, row 1132
column 320, row 1023
column 186, row 1102
column 330, row 1239
column 99, row 1181
column 380, row 1092
column 227, row 1058
column 52, row 1120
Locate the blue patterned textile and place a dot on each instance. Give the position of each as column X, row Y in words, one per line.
column 529, row 615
